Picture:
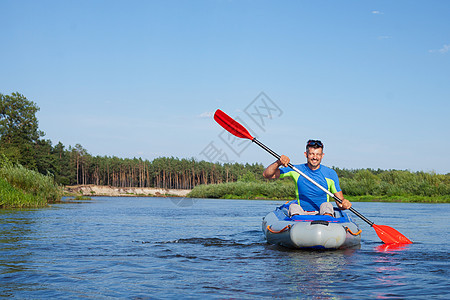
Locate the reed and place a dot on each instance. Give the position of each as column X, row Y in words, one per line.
column 12, row 197
column 21, row 187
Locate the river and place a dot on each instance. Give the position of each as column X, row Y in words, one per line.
column 164, row 248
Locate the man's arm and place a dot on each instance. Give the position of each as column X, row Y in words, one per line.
column 272, row 171
column 345, row 203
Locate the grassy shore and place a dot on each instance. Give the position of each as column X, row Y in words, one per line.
column 20, row 187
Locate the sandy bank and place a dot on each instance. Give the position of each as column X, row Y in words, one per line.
column 103, row 190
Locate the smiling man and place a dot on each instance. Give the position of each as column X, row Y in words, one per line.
column 310, row 199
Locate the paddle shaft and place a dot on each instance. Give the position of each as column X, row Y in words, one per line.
column 312, row 181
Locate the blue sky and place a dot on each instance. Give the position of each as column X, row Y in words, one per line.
column 143, row 78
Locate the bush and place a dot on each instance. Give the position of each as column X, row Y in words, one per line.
column 246, row 190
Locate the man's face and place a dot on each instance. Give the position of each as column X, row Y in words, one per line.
column 314, row 157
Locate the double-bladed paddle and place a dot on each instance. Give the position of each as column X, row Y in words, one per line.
column 387, row 234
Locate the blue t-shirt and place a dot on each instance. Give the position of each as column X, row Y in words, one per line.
column 310, row 196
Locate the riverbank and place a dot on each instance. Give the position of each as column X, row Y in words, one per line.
column 274, row 191
column 112, row 191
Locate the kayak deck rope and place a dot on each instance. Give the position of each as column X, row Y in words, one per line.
column 351, row 232
column 279, row 231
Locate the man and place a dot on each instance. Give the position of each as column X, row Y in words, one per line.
column 310, row 199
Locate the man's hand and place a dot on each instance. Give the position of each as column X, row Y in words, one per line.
column 284, row 160
column 344, row 205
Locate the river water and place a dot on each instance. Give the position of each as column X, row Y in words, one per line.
column 159, row 248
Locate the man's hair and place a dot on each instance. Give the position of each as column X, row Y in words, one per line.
column 314, row 144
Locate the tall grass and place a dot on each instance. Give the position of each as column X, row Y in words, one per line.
column 12, row 197
column 395, row 183
column 246, row 190
column 20, row 187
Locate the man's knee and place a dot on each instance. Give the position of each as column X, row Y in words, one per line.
column 295, row 209
column 326, row 208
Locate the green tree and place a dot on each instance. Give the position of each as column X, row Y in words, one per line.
column 61, row 156
column 19, row 131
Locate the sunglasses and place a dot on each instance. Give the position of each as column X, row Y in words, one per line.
column 314, row 143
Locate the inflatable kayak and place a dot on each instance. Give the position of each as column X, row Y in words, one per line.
column 311, row 231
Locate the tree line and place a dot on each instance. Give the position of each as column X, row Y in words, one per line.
column 76, row 166
column 22, row 142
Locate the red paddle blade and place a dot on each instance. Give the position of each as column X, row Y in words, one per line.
column 231, row 125
column 389, row 235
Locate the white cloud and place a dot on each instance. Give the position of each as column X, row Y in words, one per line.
column 443, row 50
column 206, row 114
column 377, row 12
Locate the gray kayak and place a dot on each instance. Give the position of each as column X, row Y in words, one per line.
column 311, row 231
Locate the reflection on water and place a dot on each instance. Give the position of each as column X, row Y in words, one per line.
column 388, row 270
column 390, row 273
column 314, row 273
column 16, row 228
column 389, row 248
